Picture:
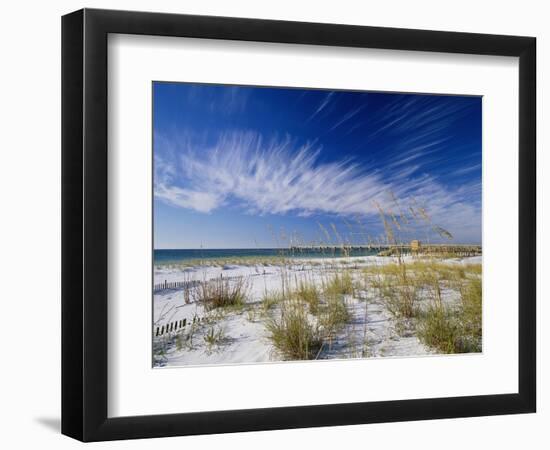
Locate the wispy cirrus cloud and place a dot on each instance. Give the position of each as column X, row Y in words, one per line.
column 348, row 116
column 418, row 119
column 247, row 172
column 467, row 170
column 324, row 103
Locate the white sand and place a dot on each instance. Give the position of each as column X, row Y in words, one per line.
column 244, row 335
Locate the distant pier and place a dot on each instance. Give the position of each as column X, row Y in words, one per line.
column 414, row 247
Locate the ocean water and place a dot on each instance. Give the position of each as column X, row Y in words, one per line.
column 175, row 256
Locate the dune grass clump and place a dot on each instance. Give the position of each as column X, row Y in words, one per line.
column 222, row 292
column 308, row 292
column 472, row 269
column 398, row 287
column 270, row 300
column 454, row 329
column 214, row 336
column 447, row 328
column 334, row 315
column 339, row 284
column 428, row 270
column 471, row 318
column 401, row 300
column 293, row 333
column 308, row 316
column 439, row 328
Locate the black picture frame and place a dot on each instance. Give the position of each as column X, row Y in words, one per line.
column 84, row 224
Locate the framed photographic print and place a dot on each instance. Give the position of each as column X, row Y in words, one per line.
column 273, row 224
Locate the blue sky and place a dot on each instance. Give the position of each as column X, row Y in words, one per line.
column 247, row 167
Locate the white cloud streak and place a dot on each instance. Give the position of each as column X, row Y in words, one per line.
column 324, row 103
column 262, row 177
column 348, row 116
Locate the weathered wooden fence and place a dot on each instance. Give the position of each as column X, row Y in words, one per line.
column 176, row 325
column 189, row 283
column 174, row 285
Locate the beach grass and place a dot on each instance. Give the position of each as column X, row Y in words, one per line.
column 340, row 283
column 454, row 329
column 446, row 326
column 293, row 333
column 308, row 292
column 222, row 293
column 334, row 315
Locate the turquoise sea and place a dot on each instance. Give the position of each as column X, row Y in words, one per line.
column 175, row 256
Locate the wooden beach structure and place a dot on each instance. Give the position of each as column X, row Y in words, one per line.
column 415, row 247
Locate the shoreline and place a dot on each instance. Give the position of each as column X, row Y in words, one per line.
column 173, row 270
column 285, row 255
